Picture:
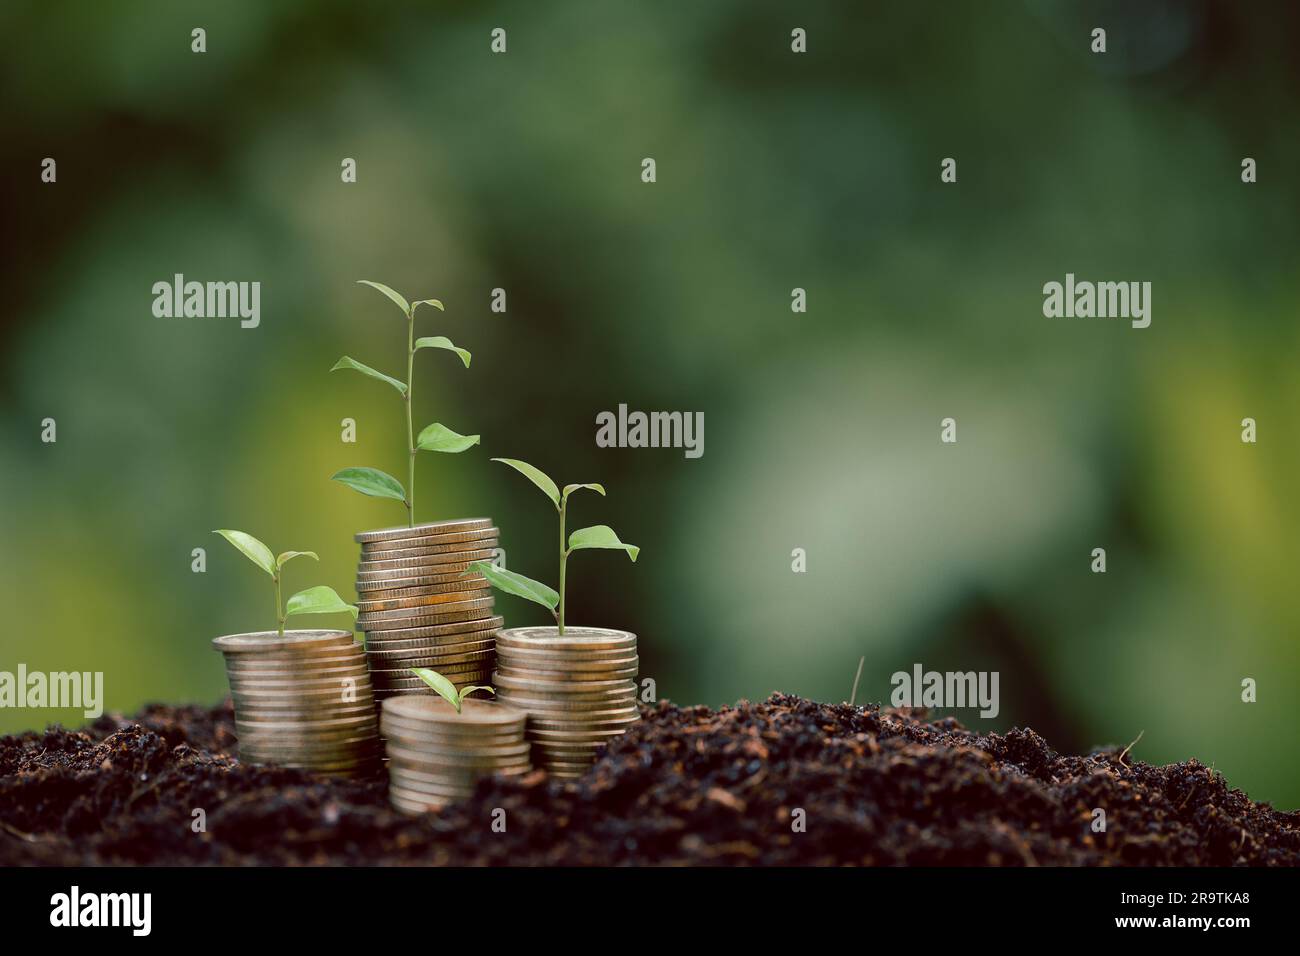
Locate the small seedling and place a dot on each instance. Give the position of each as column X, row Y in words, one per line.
column 446, row 689
column 318, row 600
column 596, row 536
column 853, row 697
column 435, row 437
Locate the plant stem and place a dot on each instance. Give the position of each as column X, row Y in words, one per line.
column 410, row 432
column 279, row 608
column 564, row 558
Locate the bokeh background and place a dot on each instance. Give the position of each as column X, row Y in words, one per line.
column 775, row 170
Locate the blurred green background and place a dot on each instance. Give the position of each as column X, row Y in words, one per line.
column 775, row 170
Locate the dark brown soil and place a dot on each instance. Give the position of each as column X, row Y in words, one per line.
column 687, row 786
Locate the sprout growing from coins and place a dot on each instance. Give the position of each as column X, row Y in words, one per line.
column 446, row 689
column 596, row 536
column 318, row 600
column 435, row 437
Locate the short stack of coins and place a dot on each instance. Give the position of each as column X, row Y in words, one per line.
column 436, row 754
column 579, row 690
column 302, row 699
column 419, row 608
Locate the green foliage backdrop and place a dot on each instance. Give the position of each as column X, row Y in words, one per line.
column 774, row 171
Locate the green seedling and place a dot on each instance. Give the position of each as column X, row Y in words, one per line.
column 446, row 689
column 435, row 437
column 317, row 600
column 596, row 536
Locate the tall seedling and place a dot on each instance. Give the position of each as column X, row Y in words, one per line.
column 435, row 437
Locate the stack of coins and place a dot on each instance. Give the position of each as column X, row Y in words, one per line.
column 579, row 690
column 419, row 609
column 302, row 699
column 436, row 754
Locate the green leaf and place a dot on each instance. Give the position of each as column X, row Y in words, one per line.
column 570, row 489
column 349, row 362
column 535, row 475
column 282, row 559
column 371, row 481
column 439, row 683
column 252, row 549
column 600, row 536
column 465, row 692
column 321, row 599
column 441, row 438
column 441, row 342
column 400, row 302
column 433, row 302
column 516, row 584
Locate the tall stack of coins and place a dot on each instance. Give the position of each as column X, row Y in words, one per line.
column 302, row 699
column 419, row 609
column 579, row 690
column 435, row 754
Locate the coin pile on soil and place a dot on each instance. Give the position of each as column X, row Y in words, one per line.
column 302, row 699
column 419, row 608
column 579, row 690
column 685, row 785
column 436, row 753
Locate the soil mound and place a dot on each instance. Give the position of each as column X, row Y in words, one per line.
column 688, row 785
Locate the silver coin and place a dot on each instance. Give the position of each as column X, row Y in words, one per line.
column 431, row 529
column 260, row 642
column 513, row 729
column 445, row 569
column 340, row 690
column 271, row 710
column 426, row 775
column 573, row 700
column 426, row 802
column 590, row 687
column 619, row 722
column 258, row 662
column 305, row 689
column 473, row 583
column 474, row 616
column 442, row 614
column 377, row 585
column 384, row 682
column 318, row 726
column 574, row 638
column 407, row 774
column 406, row 778
column 568, row 677
column 401, row 670
column 453, row 601
column 430, row 650
column 306, row 667
column 451, row 736
column 580, row 660
column 420, row 601
column 341, row 680
column 473, row 713
column 433, row 540
column 417, row 807
column 402, row 649
column 377, row 639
